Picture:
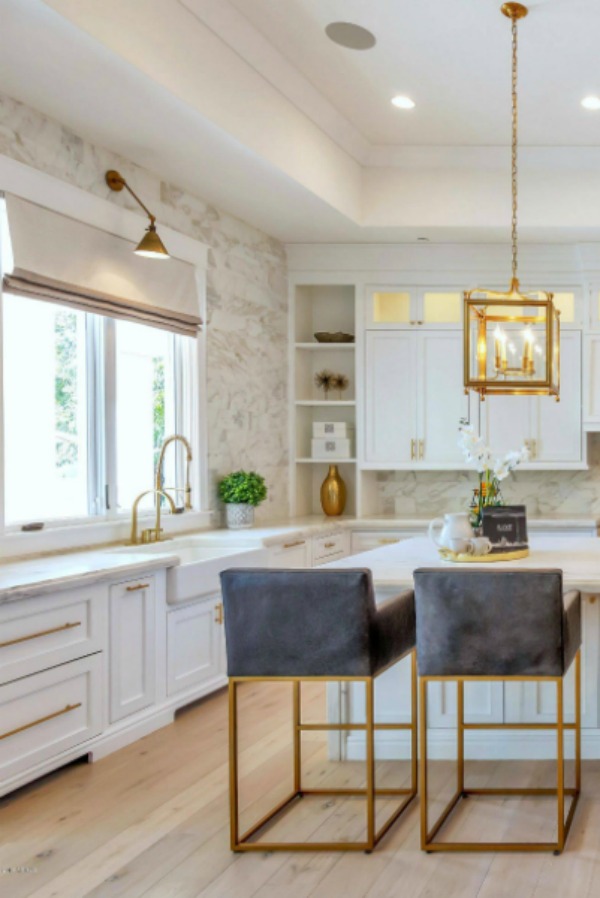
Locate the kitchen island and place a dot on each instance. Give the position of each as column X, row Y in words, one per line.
column 485, row 702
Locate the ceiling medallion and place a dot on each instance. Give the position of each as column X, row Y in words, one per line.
column 512, row 339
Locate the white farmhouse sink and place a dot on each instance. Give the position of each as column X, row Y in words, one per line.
column 197, row 573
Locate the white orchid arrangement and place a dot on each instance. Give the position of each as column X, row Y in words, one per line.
column 491, row 470
column 482, row 458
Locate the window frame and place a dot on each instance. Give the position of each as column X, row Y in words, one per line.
column 111, row 524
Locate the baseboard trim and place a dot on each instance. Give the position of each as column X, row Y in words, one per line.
column 509, row 745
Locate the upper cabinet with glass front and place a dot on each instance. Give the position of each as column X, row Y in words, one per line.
column 397, row 307
column 568, row 301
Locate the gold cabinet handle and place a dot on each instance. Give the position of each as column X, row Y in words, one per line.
column 421, row 448
column 389, row 541
column 137, row 586
column 35, row 723
column 413, row 450
column 219, row 613
column 328, row 545
column 3, row 645
column 299, row 542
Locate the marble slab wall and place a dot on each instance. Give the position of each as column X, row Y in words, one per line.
column 543, row 492
column 247, row 300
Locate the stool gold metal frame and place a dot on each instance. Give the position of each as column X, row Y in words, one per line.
column 563, row 825
column 243, row 842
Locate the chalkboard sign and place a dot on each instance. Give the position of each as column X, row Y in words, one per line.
column 506, row 527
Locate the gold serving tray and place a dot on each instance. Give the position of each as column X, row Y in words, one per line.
column 463, row 558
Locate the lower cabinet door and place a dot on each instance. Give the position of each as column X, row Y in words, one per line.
column 132, row 647
column 47, row 713
column 483, row 703
column 195, row 646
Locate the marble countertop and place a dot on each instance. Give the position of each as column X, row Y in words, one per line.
column 276, row 532
column 393, row 565
column 37, row 576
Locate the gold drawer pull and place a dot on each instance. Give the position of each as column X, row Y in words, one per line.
column 299, row 542
column 137, row 586
column 328, row 545
column 219, row 613
column 35, row 723
column 389, row 541
column 3, row 645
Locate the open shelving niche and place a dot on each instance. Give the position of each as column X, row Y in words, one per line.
column 332, row 308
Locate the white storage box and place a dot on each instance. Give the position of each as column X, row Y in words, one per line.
column 334, row 447
column 327, row 429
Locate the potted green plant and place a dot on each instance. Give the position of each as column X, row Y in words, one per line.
column 241, row 492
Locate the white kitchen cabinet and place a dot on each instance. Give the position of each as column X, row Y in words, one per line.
column 410, row 307
column 330, row 547
column 295, row 553
column 484, row 703
column 195, row 645
column 591, row 367
column 552, row 430
column 442, row 402
column 391, row 397
column 414, row 399
column 51, row 629
column 132, row 669
column 48, row 713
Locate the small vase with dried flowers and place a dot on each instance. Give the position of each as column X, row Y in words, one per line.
column 340, row 382
column 324, row 380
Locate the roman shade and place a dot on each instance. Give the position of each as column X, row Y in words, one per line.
column 59, row 259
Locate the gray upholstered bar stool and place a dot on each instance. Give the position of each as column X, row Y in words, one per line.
column 299, row 625
column 498, row 625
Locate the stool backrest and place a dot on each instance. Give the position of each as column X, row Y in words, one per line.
column 484, row 622
column 298, row 622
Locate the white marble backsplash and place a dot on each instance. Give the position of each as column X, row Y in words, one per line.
column 566, row 493
column 246, row 297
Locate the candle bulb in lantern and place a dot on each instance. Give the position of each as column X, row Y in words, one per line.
column 527, row 360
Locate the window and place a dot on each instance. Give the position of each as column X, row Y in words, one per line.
column 88, row 402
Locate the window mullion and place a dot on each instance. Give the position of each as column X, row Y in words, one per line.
column 110, row 417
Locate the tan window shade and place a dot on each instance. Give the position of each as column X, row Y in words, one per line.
column 62, row 260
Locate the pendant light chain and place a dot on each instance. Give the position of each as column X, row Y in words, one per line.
column 514, row 170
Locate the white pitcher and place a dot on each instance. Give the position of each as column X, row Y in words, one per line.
column 456, row 532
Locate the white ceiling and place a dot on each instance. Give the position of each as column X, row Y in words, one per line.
column 247, row 104
column 452, row 57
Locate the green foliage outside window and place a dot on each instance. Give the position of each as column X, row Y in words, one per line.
column 65, row 393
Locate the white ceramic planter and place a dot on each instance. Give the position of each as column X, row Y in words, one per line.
column 239, row 515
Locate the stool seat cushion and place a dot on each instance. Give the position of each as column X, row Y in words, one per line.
column 312, row 623
column 495, row 623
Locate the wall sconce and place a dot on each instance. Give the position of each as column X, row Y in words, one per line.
column 150, row 246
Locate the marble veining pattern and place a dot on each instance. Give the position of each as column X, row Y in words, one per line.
column 246, row 297
column 543, row 492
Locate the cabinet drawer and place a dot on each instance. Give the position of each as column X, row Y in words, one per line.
column 324, row 547
column 48, row 713
column 42, row 632
column 292, row 554
column 367, row 540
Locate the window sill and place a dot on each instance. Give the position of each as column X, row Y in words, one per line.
column 91, row 534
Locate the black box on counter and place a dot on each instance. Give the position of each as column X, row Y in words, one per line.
column 506, row 527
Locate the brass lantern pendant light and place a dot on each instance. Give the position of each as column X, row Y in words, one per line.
column 512, row 339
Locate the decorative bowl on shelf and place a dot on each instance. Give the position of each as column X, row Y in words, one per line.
column 339, row 337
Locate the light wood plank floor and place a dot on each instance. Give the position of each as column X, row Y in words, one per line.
column 152, row 820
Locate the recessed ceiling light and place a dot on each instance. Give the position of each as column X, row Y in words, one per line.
column 591, row 103
column 351, row 36
column 403, row 102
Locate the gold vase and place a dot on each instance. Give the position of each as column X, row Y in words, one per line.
column 333, row 493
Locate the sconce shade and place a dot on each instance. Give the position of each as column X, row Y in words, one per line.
column 151, row 246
